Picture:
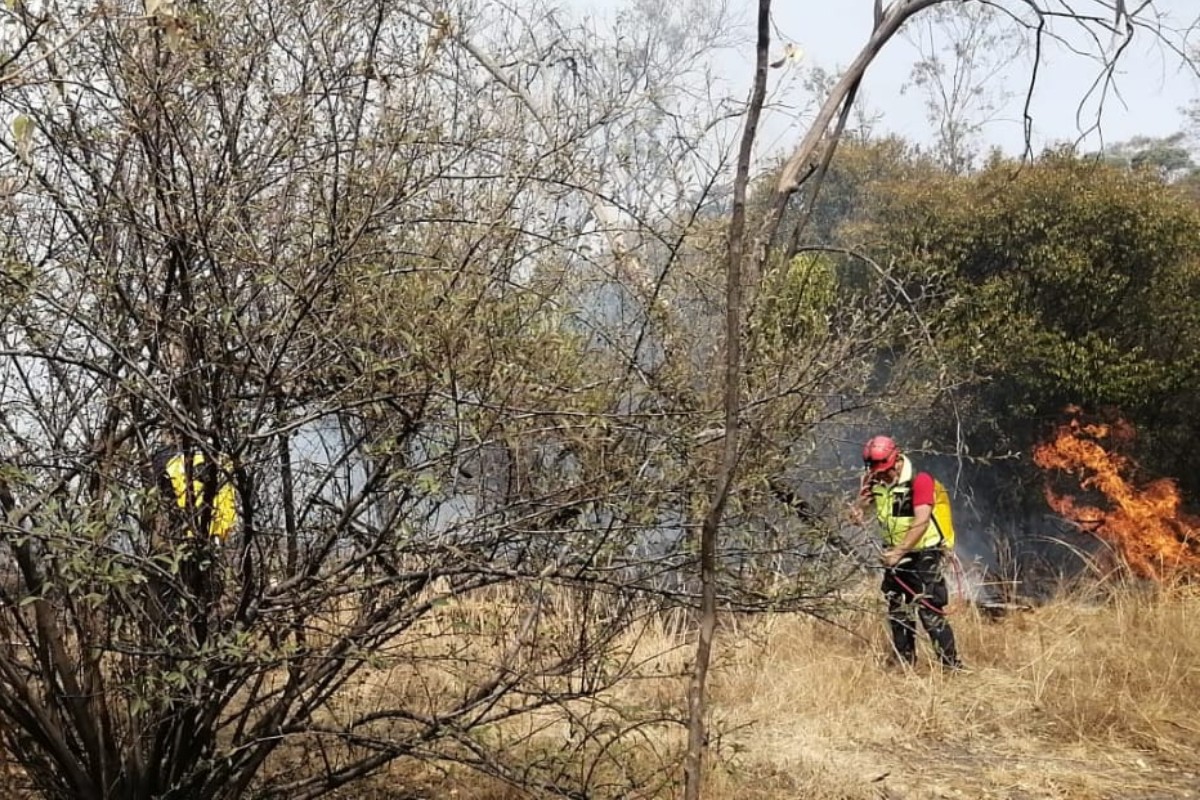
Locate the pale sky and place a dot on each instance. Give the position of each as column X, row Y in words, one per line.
column 1153, row 85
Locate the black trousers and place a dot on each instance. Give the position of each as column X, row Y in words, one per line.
column 916, row 588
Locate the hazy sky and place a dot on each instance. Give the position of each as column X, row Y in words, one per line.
column 1153, row 84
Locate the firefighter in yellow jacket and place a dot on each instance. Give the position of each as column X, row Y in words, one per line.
column 202, row 492
column 195, row 494
column 914, row 522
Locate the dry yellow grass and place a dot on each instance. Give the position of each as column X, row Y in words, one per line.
column 1079, row 699
column 1071, row 700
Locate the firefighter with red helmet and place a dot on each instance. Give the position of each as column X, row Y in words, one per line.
column 903, row 501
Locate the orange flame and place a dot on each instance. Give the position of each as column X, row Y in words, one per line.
column 1144, row 525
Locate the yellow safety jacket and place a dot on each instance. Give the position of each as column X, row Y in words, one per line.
column 894, row 509
column 224, row 509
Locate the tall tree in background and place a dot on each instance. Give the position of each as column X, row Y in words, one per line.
column 1169, row 157
column 965, row 52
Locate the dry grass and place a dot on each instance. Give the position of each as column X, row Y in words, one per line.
column 1080, row 698
column 1072, row 700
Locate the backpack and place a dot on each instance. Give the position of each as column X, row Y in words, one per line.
column 942, row 518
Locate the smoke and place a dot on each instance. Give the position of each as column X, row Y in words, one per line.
column 1009, row 543
column 1006, row 531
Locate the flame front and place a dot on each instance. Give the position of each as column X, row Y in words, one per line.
column 1146, row 526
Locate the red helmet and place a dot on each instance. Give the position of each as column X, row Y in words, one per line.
column 880, row 453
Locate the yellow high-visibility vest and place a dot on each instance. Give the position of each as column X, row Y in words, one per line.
column 894, row 509
column 224, row 507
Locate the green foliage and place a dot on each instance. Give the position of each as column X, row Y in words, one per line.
column 797, row 299
column 1075, row 282
column 1065, row 263
column 1167, row 157
column 849, row 188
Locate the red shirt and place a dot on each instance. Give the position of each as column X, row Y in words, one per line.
column 922, row 489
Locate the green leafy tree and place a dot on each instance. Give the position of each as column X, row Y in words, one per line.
column 1066, row 281
column 1170, row 157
